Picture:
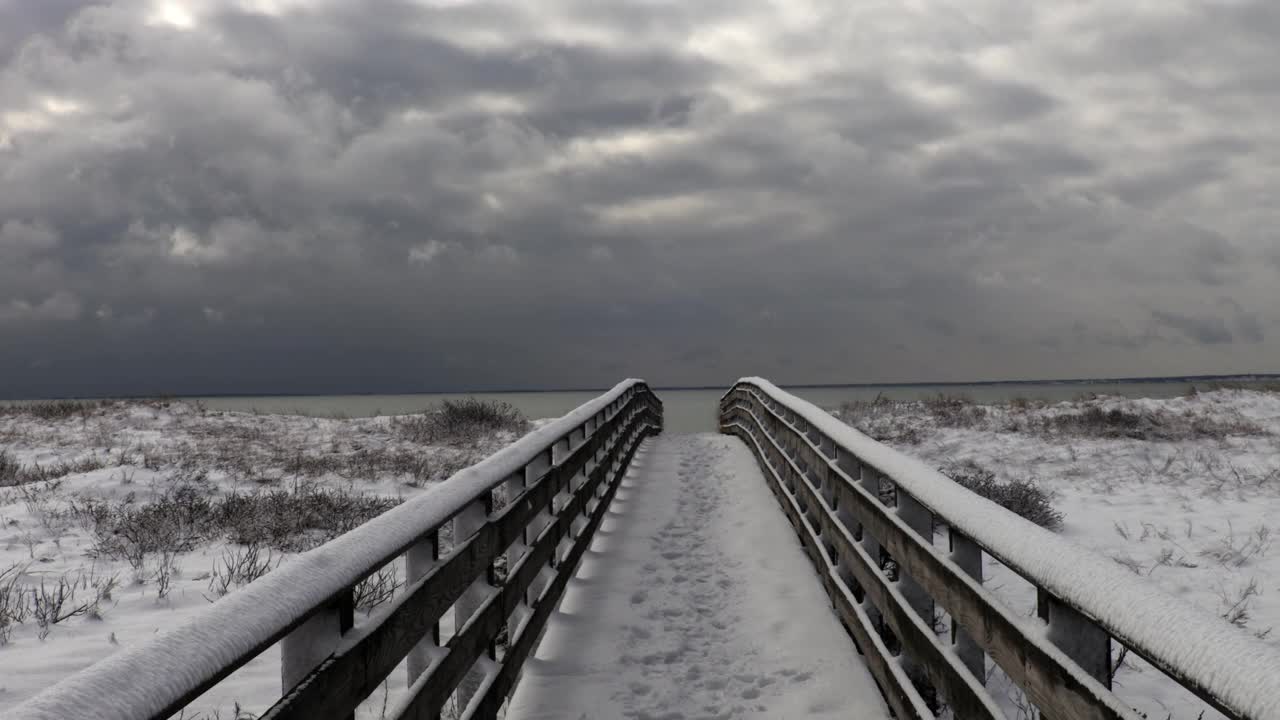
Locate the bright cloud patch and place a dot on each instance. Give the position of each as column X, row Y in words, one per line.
column 426, row 252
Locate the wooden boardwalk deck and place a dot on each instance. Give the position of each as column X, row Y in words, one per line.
column 695, row 601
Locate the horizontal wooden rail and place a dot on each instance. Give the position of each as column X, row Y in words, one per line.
column 531, row 508
column 884, row 576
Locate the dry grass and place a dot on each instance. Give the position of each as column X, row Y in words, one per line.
column 54, row 409
column 1020, row 496
column 882, row 419
column 12, row 473
column 239, row 567
column 1140, row 424
column 461, row 421
column 50, row 601
column 909, row 422
column 290, row 519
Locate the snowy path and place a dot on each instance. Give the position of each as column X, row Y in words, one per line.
column 695, row 601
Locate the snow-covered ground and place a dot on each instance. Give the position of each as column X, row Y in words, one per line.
column 696, row 601
column 1185, row 491
column 132, row 516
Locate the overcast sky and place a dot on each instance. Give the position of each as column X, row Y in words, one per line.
column 393, row 195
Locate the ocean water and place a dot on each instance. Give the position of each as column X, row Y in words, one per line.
column 685, row 411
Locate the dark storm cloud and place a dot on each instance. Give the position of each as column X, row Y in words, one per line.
column 310, row 195
column 1206, row 330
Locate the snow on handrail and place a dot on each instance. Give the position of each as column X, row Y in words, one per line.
column 1237, row 669
column 144, row 679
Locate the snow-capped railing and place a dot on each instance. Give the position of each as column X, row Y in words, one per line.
column 832, row 482
column 513, row 528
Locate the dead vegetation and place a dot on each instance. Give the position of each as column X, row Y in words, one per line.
column 239, row 567
column 416, row 450
column 1019, row 496
column 48, row 601
column 291, row 519
column 12, row 473
column 460, row 421
column 54, row 409
column 1097, row 422
column 909, row 422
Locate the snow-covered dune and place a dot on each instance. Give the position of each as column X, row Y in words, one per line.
column 1185, row 491
column 121, row 519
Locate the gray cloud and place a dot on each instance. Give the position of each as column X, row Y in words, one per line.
column 397, row 195
column 1205, row 330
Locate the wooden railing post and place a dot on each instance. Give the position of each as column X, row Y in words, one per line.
column 848, row 463
column 920, row 519
column 313, row 641
column 532, row 472
column 465, row 524
column 603, row 445
column 419, row 560
column 514, row 486
column 968, row 556
column 1077, row 636
column 870, row 479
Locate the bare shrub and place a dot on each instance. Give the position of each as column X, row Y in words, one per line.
column 1141, row 424
column 376, row 589
column 1236, row 604
column 955, row 411
column 1237, row 552
column 54, row 409
column 882, row 419
column 12, row 473
column 10, row 469
column 1020, row 496
column 298, row 518
column 166, row 570
column 40, row 501
column 291, row 519
column 102, row 588
column 13, row 605
column 238, row 568
column 366, row 463
column 459, row 421
column 175, row 522
column 55, row 603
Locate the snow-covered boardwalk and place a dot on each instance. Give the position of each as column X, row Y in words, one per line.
column 695, row 601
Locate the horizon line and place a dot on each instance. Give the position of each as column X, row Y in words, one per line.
column 508, row 391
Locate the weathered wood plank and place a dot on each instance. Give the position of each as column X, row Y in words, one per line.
column 305, row 648
column 518, row 652
column 419, row 562
column 967, row 555
column 342, row 681
column 1077, row 636
column 967, row 697
column 1048, row 676
column 894, row 685
column 356, row 670
column 435, row 689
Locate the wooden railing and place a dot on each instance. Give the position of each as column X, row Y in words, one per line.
column 495, row 544
column 867, row 516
